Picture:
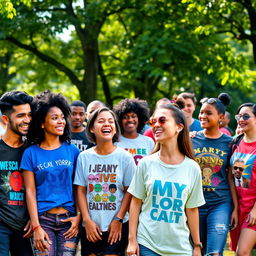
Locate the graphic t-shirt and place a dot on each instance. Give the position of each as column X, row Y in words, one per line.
column 244, row 157
column 213, row 155
column 138, row 147
column 54, row 171
column 105, row 177
column 12, row 192
column 80, row 140
column 195, row 126
column 166, row 190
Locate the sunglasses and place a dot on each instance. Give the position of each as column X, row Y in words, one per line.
column 240, row 168
column 244, row 116
column 161, row 120
column 209, row 100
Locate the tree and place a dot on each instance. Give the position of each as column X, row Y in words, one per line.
column 146, row 49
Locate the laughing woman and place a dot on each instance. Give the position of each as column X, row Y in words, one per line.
column 48, row 170
column 103, row 175
column 166, row 191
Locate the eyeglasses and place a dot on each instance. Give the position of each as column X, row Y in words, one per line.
column 244, row 116
column 240, row 168
column 161, row 120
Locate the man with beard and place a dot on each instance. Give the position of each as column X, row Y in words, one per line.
column 14, row 226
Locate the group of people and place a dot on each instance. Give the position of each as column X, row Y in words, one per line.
column 123, row 182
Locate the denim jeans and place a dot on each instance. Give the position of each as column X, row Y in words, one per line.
column 144, row 251
column 214, row 227
column 13, row 241
column 55, row 228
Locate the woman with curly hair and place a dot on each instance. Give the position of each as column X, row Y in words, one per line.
column 212, row 152
column 48, row 169
column 132, row 116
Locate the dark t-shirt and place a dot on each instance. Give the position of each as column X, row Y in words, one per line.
column 12, row 192
column 80, row 140
column 213, row 157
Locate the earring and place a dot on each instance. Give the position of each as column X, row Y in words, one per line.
column 220, row 122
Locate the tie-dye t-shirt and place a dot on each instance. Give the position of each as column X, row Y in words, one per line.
column 213, row 155
column 104, row 177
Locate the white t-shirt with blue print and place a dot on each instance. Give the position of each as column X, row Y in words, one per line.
column 166, row 190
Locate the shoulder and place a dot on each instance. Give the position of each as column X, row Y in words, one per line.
column 122, row 153
column 145, row 138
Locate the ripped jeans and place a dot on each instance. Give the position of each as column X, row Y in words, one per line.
column 52, row 225
column 214, row 227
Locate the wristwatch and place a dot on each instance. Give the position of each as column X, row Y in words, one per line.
column 118, row 219
column 198, row 245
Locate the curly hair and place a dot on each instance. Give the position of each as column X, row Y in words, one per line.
column 41, row 105
column 137, row 106
column 13, row 98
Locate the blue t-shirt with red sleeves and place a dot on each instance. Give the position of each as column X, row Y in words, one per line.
column 54, row 173
column 213, row 155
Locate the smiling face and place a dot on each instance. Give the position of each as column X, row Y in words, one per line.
column 246, row 125
column 167, row 130
column 238, row 169
column 209, row 116
column 19, row 120
column 189, row 108
column 104, row 126
column 54, row 123
column 130, row 123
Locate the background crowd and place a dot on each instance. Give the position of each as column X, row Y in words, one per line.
column 127, row 180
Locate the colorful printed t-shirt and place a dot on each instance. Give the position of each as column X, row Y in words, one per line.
column 213, row 155
column 12, row 191
column 105, row 177
column 138, row 147
column 166, row 190
column 54, row 171
column 244, row 157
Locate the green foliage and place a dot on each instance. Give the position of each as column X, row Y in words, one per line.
column 147, row 48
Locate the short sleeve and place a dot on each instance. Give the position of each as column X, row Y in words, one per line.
column 26, row 161
column 196, row 197
column 137, row 186
column 80, row 178
column 129, row 170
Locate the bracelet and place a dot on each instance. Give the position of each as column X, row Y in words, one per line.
column 36, row 227
column 200, row 245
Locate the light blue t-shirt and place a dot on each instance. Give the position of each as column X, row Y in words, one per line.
column 195, row 126
column 105, row 178
column 54, row 171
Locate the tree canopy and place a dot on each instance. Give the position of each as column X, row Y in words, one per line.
column 128, row 48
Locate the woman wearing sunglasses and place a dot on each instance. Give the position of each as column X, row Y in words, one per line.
column 212, row 152
column 103, row 175
column 243, row 162
column 166, row 191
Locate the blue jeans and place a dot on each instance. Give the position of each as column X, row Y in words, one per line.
column 144, row 251
column 13, row 241
column 55, row 228
column 214, row 227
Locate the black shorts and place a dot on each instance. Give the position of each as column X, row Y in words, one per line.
column 102, row 247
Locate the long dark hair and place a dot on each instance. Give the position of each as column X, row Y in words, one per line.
column 40, row 107
column 183, row 140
